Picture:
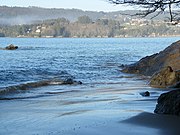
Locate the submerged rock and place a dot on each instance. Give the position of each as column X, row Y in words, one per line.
column 145, row 94
column 37, row 84
column 165, row 77
column 71, row 81
column 169, row 103
column 11, row 47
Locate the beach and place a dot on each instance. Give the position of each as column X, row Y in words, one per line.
column 34, row 101
column 78, row 110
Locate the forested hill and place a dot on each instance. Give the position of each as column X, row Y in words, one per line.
column 31, row 15
column 23, row 15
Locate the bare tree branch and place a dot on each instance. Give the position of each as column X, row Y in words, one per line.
column 153, row 6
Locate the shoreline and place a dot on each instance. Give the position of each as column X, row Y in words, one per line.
column 95, row 37
column 106, row 106
column 87, row 110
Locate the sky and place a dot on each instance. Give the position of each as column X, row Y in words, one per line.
column 87, row 5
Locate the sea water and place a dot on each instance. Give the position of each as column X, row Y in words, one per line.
column 86, row 59
column 105, row 97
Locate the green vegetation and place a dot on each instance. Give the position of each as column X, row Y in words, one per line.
column 85, row 27
column 42, row 22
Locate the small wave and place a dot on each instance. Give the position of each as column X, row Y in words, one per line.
column 16, row 98
column 73, row 113
column 61, row 92
column 31, row 48
column 27, row 48
column 20, row 75
column 31, row 85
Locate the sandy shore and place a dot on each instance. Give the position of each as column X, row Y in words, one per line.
column 113, row 109
column 166, row 124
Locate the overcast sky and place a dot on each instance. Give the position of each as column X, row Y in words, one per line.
column 90, row 5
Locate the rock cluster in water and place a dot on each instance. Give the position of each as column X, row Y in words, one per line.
column 164, row 69
column 10, row 47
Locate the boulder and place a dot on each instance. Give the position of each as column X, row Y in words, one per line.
column 152, row 64
column 71, row 81
column 145, row 94
column 169, row 103
column 11, row 47
column 165, row 77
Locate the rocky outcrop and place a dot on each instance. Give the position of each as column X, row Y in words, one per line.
column 165, row 77
column 164, row 67
column 11, row 47
column 152, row 64
column 143, row 66
column 169, row 103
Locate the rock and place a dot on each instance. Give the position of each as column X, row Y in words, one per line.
column 164, row 78
column 177, row 85
column 71, row 81
column 145, row 94
column 143, row 66
column 169, row 103
column 79, row 82
column 152, row 64
column 122, row 66
column 164, row 67
column 11, row 47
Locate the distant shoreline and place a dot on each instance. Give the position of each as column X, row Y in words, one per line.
column 169, row 36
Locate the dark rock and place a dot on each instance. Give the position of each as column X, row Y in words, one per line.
column 68, row 81
column 143, row 66
column 122, row 66
column 164, row 78
column 177, row 85
column 71, row 81
column 169, row 103
column 152, row 64
column 79, row 82
column 145, row 94
column 11, row 47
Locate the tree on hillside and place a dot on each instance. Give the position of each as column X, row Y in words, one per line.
column 154, row 6
column 84, row 19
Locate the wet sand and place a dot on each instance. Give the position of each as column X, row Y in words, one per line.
column 166, row 124
column 112, row 109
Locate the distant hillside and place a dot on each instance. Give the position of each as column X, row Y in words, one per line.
column 31, row 15
column 23, row 15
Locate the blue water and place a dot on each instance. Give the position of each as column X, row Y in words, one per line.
column 88, row 60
